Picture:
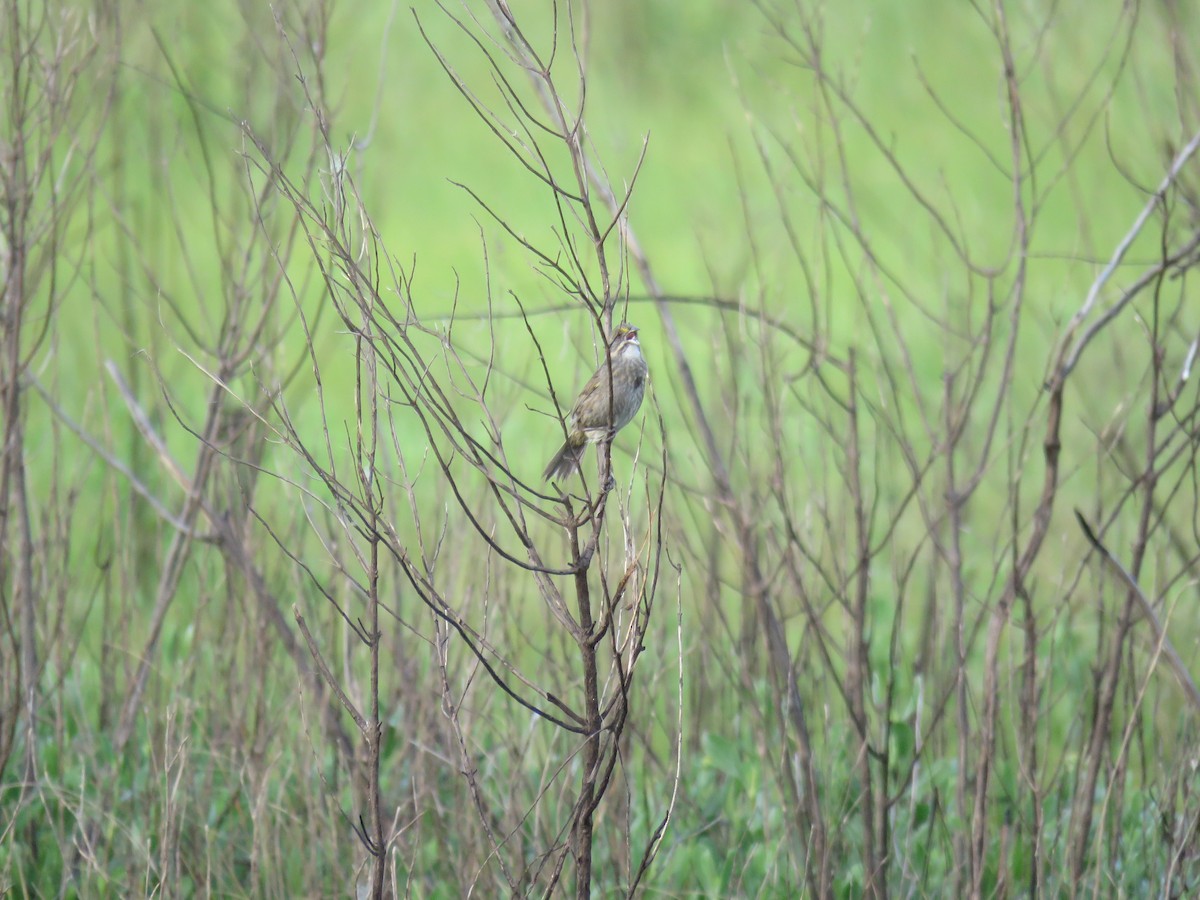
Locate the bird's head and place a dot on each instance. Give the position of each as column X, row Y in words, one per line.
column 626, row 340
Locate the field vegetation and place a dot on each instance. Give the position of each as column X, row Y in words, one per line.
column 893, row 590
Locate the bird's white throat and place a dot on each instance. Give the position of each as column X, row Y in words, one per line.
column 631, row 348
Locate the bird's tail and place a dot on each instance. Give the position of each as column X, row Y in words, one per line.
column 564, row 462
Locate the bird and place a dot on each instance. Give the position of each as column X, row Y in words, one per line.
column 593, row 418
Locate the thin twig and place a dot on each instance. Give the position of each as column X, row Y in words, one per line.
column 1174, row 661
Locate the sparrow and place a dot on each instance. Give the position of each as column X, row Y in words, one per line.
column 593, row 418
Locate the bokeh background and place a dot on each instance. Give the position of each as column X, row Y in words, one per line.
column 928, row 267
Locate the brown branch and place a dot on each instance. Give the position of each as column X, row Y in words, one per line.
column 327, row 676
column 1158, row 631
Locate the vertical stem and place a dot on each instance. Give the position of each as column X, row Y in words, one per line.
column 581, row 838
column 1098, row 741
column 375, row 736
column 954, row 562
column 858, row 675
column 16, row 536
column 367, row 387
column 1029, row 723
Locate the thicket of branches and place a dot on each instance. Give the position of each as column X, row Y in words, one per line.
column 890, row 591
